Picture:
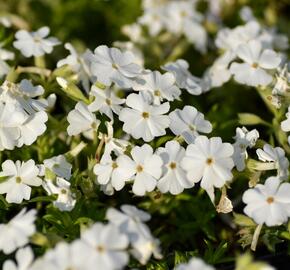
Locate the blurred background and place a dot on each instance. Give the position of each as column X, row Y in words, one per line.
column 99, row 21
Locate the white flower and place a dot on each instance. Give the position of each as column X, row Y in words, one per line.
column 10, row 120
column 276, row 157
column 106, row 101
column 24, row 259
column 145, row 246
column 22, row 117
column 24, row 94
column 19, row 176
column 65, row 256
column 230, row 39
column 188, row 122
column 174, row 179
column 81, row 119
column 131, row 222
column 111, row 65
column 153, row 18
column 4, row 56
column 194, row 264
column 107, row 246
column 132, row 47
column 16, row 232
column 257, row 61
column 282, row 82
column 112, row 171
column 178, row 13
column 184, row 79
column 35, row 43
column 285, row 125
column 144, row 120
column 209, row 160
column 243, row 139
column 268, row 203
column 160, row 86
column 117, row 146
column 133, row 32
column 65, row 198
column 145, row 166
column 32, row 127
column 59, row 165
column 196, row 34
column 219, row 72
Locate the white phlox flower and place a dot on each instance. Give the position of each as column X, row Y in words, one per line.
column 174, row 178
column 58, row 165
column 160, row 86
column 105, row 101
column 24, row 258
column 112, row 171
column 257, row 62
column 16, row 232
column 131, row 222
column 65, row 198
column 194, row 264
column 65, row 256
column 268, row 203
column 184, row 79
column 143, row 120
column 230, row 39
column 188, row 123
column 285, row 125
column 5, row 56
column 144, row 168
column 24, row 94
column 218, row 73
column 35, row 43
column 111, row 65
column 243, row 140
column 107, row 247
column 117, row 146
column 28, row 118
column 81, row 119
column 276, row 159
column 209, row 161
column 19, row 177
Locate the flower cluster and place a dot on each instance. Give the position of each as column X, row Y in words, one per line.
column 107, row 246
column 104, row 127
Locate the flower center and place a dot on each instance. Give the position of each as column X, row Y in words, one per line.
column 183, row 13
column 108, row 101
column 270, row 200
column 242, row 146
column 192, row 127
column 157, row 93
column 18, row 180
column 255, row 65
column 172, row 165
column 63, row 191
column 100, row 248
column 114, row 165
column 37, row 39
column 145, row 115
column 94, row 125
column 114, row 66
column 139, row 168
column 209, row 161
